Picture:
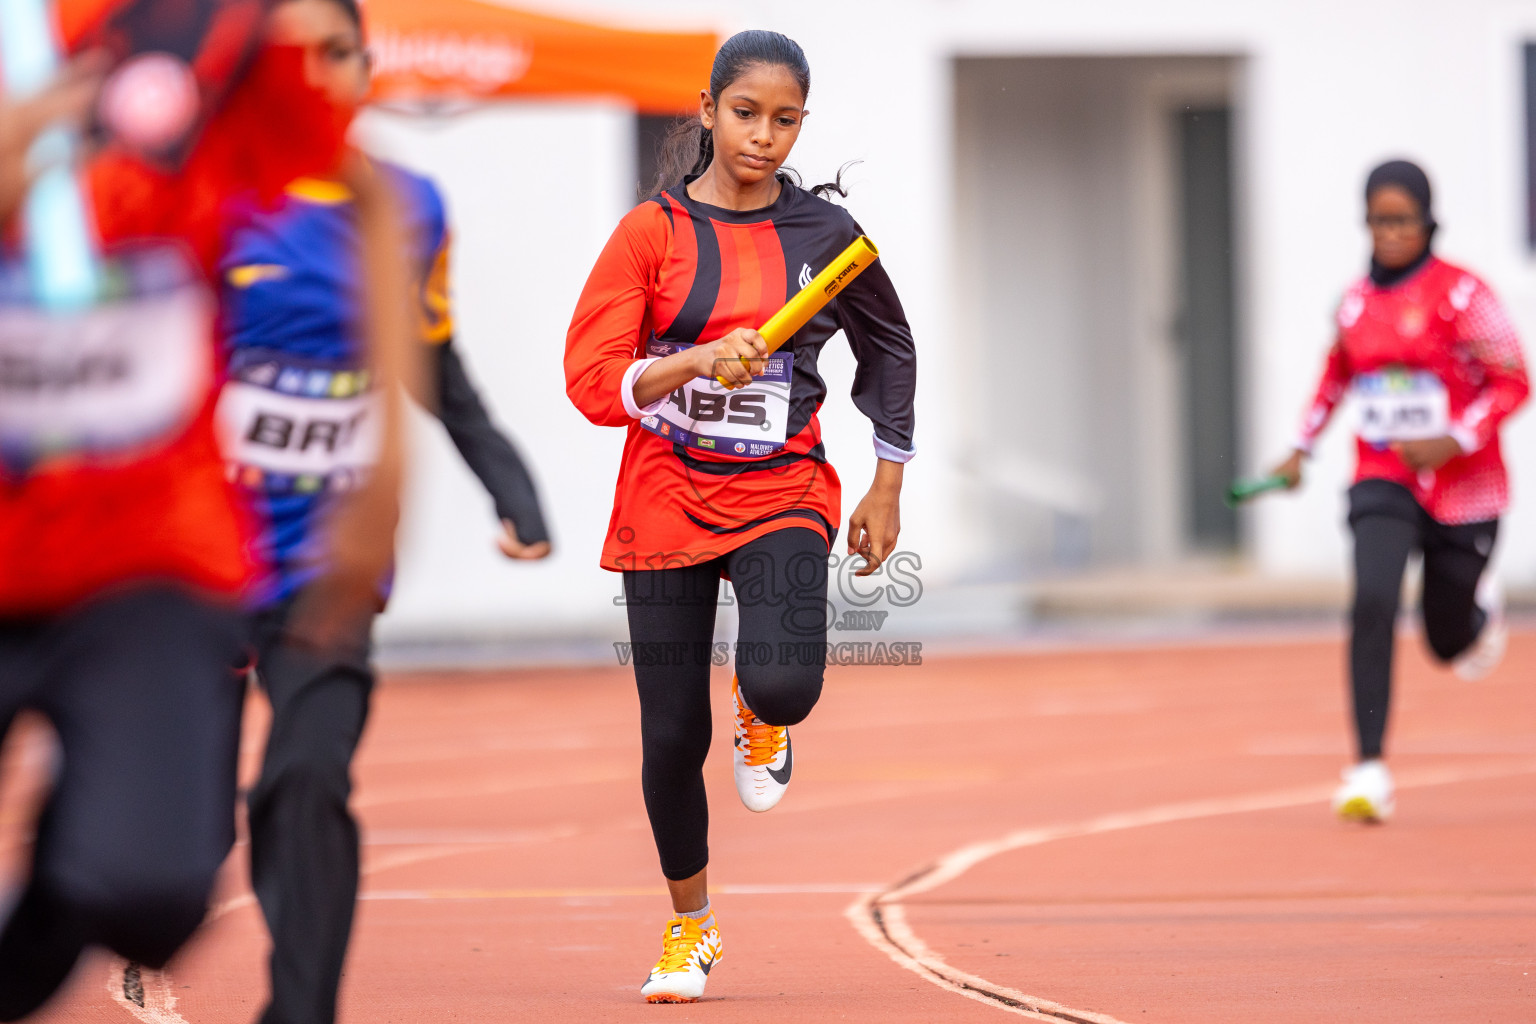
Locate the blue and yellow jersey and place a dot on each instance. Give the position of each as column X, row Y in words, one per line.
column 297, row 414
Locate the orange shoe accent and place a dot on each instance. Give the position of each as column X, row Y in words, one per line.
column 688, row 953
column 764, row 742
column 678, row 945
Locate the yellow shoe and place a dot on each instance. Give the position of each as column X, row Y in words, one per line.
column 762, row 757
column 688, row 953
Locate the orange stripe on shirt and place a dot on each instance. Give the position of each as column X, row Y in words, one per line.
column 771, row 271
column 749, row 295
column 725, row 317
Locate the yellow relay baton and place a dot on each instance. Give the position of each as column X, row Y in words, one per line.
column 810, row 300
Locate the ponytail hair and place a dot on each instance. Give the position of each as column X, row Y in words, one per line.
column 688, row 148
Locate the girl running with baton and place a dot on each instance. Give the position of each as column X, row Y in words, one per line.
column 723, row 473
column 1436, row 368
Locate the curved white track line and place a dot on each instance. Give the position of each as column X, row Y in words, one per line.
column 884, row 926
column 881, row 919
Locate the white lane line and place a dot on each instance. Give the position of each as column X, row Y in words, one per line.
column 881, row 919
column 377, row 796
column 728, row 889
column 373, row 837
column 885, row 927
column 159, row 1000
column 388, row 862
column 891, row 921
column 153, row 987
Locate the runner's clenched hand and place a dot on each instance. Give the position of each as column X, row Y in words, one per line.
column 735, row 358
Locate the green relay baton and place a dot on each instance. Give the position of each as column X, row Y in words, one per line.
column 1247, row 490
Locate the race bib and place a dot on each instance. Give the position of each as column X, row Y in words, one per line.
column 1401, row 405
column 290, row 426
column 749, row 422
column 125, row 374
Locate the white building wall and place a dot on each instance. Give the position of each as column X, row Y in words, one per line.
column 532, row 197
column 1325, row 91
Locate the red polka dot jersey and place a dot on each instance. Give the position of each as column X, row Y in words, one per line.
column 1444, row 321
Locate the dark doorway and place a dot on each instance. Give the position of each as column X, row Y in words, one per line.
column 1207, row 324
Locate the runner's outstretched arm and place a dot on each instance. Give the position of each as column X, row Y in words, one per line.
column 489, row 453
column 1331, row 389
column 450, row 396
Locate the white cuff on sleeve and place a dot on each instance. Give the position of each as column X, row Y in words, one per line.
column 627, row 391
column 890, row 453
column 1464, row 437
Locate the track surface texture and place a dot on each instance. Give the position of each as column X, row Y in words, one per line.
column 1131, row 835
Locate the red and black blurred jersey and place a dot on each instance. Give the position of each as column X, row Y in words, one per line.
column 73, row 525
column 680, row 272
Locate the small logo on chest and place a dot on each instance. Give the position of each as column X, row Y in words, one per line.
column 253, row 274
column 805, row 275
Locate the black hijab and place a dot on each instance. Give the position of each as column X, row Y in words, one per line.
column 1409, row 177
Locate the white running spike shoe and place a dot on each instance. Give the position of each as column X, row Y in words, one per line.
column 688, row 953
column 1479, row 660
column 762, row 757
column 1367, row 793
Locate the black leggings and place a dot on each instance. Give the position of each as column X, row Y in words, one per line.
column 304, row 840
column 1388, row 524
column 137, row 685
column 780, row 584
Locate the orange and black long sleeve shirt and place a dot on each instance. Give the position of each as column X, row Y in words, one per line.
column 705, row 471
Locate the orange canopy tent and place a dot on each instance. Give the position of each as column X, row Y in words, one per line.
column 436, row 50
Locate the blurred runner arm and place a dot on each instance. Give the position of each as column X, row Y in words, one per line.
column 360, row 539
column 485, row 449
column 1490, row 336
column 1330, row 392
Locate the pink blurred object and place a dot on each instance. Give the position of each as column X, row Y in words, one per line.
column 150, row 102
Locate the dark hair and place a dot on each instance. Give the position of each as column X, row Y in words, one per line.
column 688, row 147
column 1410, row 177
column 350, row 8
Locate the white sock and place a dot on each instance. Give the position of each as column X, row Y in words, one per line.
column 705, row 916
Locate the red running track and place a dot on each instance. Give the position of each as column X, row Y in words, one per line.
column 1125, row 835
